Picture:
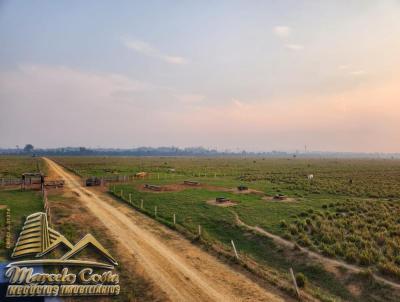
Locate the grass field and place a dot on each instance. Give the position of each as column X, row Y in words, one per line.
column 20, row 203
column 14, row 166
column 349, row 211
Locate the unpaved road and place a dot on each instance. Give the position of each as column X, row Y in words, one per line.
column 183, row 271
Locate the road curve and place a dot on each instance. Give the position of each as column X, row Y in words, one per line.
column 183, row 271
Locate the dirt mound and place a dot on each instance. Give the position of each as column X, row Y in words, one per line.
column 224, row 204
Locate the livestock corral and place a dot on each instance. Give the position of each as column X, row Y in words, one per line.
column 343, row 211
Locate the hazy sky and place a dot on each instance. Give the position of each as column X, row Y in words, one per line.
column 254, row 75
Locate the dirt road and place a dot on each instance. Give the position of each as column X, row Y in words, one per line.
column 183, row 271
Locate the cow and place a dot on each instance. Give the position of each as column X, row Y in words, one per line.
column 310, row 177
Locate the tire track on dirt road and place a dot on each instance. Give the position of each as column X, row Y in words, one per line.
column 183, row 271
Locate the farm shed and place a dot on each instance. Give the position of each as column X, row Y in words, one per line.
column 32, row 178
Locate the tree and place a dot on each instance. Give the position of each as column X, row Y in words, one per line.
column 28, row 148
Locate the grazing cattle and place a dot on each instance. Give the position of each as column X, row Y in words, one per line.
column 310, row 176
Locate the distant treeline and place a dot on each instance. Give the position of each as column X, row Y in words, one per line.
column 175, row 151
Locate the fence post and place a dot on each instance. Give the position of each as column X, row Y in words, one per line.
column 174, row 219
column 234, row 249
column 295, row 283
column 122, row 194
column 155, row 211
column 130, row 198
column 141, row 203
column 199, row 230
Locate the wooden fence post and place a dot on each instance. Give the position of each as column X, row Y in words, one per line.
column 141, row 203
column 234, row 249
column 122, row 194
column 155, row 211
column 130, row 198
column 174, row 219
column 199, row 230
column 294, row 283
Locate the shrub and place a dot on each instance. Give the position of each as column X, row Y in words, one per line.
column 287, row 236
column 293, row 229
column 350, row 255
column 389, row 269
column 327, row 250
column 301, row 280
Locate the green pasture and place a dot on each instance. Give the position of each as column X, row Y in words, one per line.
column 21, row 204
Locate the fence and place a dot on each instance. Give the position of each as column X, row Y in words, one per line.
column 200, row 236
column 8, row 229
column 46, row 206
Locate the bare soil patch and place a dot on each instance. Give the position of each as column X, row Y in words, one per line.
column 285, row 200
column 224, row 204
column 248, row 191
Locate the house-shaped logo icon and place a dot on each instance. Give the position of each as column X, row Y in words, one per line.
column 38, row 239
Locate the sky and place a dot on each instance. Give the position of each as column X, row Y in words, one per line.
column 252, row 75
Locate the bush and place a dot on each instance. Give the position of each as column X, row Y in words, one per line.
column 301, row 280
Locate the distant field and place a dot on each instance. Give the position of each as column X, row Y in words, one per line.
column 349, row 211
column 354, row 177
column 14, row 166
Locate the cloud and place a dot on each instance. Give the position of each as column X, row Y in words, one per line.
column 282, row 31
column 357, row 72
column 340, row 121
column 150, row 51
column 351, row 71
column 294, row 47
